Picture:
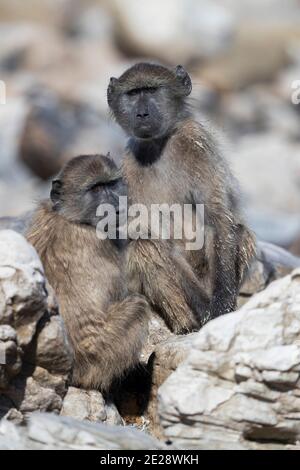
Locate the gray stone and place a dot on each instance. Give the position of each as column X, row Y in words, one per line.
column 23, row 298
column 52, row 350
column 50, row 432
column 239, row 385
column 89, row 405
column 10, row 355
column 178, row 35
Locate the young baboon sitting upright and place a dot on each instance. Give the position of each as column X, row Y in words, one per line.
column 106, row 326
column 171, row 159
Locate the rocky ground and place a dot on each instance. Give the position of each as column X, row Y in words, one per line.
column 236, row 383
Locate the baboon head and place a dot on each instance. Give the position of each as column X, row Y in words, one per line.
column 149, row 99
column 83, row 185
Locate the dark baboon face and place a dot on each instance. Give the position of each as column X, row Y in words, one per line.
column 149, row 99
column 85, row 183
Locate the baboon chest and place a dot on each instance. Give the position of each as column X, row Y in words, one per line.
column 158, row 183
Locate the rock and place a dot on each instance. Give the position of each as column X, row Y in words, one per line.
column 89, row 406
column 260, row 110
column 269, row 225
column 23, row 298
column 14, row 416
column 239, row 386
column 158, row 332
column 167, row 356
column 272, row 263
column 29, row 395
column 59, row 128
column 269, row 10
column 36, row 359
column 276, row 190
column 18, row 224
column 258, row 53
column 167, row 30
column 10, row 355
column 93, row 22
column 51, row 350
column 50, row 432
column 45, row 12
column 12, row 119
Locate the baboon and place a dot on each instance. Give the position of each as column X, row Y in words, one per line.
column 106, row 326
column 171, row 158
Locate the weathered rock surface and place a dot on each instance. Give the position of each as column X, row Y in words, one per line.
column 10, row 355
column 23, row 297
column 50, row 432
column 89, row 406
column 51, row 349
column 240, row 384
column 35, row 357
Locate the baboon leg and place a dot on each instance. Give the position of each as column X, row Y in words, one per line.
column 168, row 285
column 113, row 347
column 232, row 256
column 246, row 252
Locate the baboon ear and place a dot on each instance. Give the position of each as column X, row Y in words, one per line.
column 56, row 192
column 111, row 87
column 184, row 79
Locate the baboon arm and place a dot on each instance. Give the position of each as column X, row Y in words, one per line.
column 234, row 250
column 167, row 285
column 222, row 256
column 113, row 347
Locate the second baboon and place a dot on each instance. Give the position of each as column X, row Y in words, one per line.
column 172, row 159
column 106, row 326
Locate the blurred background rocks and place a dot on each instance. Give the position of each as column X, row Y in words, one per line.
column 56, row 58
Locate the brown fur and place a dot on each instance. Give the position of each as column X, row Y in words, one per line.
column 170, row 180
column 106, row 326
column 172, row 159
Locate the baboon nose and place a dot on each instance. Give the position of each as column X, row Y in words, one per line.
column 142, row 115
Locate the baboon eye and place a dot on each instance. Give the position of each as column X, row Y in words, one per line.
column 133, row 92
column 97, row 188
column 151, row 90
column 100, row 186
column 136, row 91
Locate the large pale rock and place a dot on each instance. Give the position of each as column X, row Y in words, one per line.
column 35, row 356
column 276, row 190
column 169, row 31
column 258, row 53
column 12, row 120
column 167, row 356
column 23, row 297
column 239, row 385
column 89, row 405
column 46, row 12
column 50, row 432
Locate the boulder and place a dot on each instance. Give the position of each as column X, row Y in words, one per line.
column 35, row 356
column 50, row 432
column 239, row 385
column 23, row 297
column 168, row 31
column 89, row 405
